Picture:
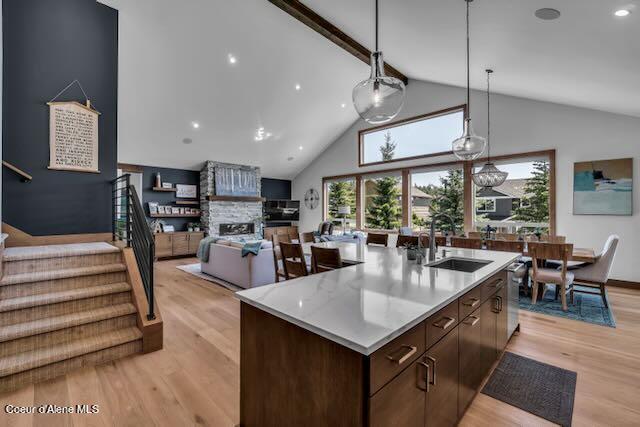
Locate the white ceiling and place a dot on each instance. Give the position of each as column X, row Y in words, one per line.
column 587, row 57
column 174, row 69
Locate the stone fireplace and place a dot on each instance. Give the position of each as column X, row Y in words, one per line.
column 234, row 209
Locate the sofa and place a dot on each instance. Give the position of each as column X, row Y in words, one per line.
column 226, row 263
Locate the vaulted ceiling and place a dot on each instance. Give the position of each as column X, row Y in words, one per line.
column 175, row 69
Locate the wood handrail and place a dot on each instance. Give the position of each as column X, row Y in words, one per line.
column 25, row 176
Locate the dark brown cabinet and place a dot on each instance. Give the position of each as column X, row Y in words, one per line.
column 472, row 369
column 502, row 333
column 442, row 391
column 402, row 401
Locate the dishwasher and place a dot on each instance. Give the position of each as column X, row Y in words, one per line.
column 515, row 276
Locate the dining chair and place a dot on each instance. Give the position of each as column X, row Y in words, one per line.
column 307, row 237
column 540, row 251
column 325, row 259
column 466, row 243
column 507, row 236
column 425, row 239
column 325, row 227
column 505, row 246
column 276, row 239
column 293, row 260
column 596, row 275
column 406, row 241
column 377, row 239
column 474, row 235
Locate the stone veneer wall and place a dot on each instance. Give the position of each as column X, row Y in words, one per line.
column 215, row 213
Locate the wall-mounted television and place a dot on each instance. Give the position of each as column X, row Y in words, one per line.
column 282, row 210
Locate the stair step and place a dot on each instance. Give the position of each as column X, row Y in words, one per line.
column 63, row 296
column 39, row 276
column 57, row 251
column 21, row 362
column 48, row 286
column 50, row 324
column 60, row 263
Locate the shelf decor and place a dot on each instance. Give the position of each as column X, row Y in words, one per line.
column 185, row 191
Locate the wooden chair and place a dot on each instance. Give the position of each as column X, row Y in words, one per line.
column 406, row 240
column 307, row 237
column 474, row 235
column 546, row 238
column 325, row 259
column 293, row 260
column 463, row 242
column 505, row 246
column 377, row 239
column 425, row 240
column 276, row 239
column 511, row 237
column 540, row 251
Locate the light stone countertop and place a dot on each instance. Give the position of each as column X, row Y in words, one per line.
column 367, row 305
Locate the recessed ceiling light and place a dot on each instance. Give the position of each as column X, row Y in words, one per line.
column 622, row 13
column 232, row 59
column 289, row 159
column 261, row 134
column 187, row 141
column 300, row 148
column 548, row 14
column 298, row 87
column 343, row 105
column 195, row 125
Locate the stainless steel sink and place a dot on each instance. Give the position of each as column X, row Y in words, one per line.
column 459, row 264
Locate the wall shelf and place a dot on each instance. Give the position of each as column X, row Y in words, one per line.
column 175, row 215
column 236, row 199
column 166, row 190
column 187, row 202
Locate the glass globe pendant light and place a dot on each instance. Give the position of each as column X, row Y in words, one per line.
column 489, row 176
column 469, row 146
column 379, row 98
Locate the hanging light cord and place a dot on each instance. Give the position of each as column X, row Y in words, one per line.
column 468, row 70
column 488, row 119
column 376, row 25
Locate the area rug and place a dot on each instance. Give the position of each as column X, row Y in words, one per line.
column 585, row 308
column 195, row 270
column 540, row 389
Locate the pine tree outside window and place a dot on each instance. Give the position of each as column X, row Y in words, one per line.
column 341, row 193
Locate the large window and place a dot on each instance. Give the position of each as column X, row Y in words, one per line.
column 522, row 202
column 341, row 202
column 425, row 136
column 383, row 201
column 437, row 192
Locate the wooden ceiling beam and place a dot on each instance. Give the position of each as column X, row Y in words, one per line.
column 320, row 25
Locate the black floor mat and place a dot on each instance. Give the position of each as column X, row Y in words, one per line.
column 543, row 390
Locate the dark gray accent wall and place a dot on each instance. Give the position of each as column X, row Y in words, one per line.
column 276, row 188
column 46, row 45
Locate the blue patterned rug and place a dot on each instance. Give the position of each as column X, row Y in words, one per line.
column 585, row 307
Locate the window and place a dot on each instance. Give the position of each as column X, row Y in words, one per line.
column 437, row 191
column 340, row 195
column 522, row 202
column 424, row 136
column 383, row 201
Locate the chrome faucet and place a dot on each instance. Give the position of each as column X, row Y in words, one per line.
column 432, row 234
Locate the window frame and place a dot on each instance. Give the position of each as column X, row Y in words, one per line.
column 486, row 199
column 422, row 117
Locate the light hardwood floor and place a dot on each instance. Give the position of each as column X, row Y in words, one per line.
column 194, row 380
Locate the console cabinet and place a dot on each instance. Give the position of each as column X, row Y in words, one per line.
column 179, row 243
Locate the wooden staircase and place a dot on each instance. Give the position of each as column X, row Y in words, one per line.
column 63, row 307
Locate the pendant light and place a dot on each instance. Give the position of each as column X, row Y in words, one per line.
column 379, row 98
column 469, row 146
column 489, row 176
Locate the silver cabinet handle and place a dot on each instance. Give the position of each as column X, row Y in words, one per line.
column 472, row 302
column 449, row 321
column 433, row 371
column 426, row 378
column 497, row 283
column 409, row 350
column 471, row 320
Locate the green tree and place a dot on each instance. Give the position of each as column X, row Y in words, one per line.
column 384, row 211
column 535, row 204
column 449, row 200
column 341, row 193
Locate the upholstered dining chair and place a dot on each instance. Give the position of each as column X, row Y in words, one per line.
column 466, row 243
column 541, row 251
column 325, row 227
column 325, row 259
column 276, row 239
column 293, row 260
column 596, row 275
column 377, row 239
column 406, row 241
column 307, row 237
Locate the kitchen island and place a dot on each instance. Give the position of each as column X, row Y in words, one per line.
column 382, row 342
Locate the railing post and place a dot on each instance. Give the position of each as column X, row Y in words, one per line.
column 152, row 253
column 128, row 211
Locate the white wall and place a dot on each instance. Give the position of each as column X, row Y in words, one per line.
column 518, row 125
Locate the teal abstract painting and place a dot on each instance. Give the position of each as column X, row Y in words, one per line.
column 603, row 187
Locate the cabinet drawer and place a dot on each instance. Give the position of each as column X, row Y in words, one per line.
column 470, row 301
column 180, row 244
column 390, row 360
column 492, row 285
column 441, row 323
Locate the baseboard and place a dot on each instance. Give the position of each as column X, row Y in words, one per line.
column 17, row 237
column 623, row 284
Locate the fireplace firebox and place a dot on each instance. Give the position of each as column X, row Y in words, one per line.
column 236, row 229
